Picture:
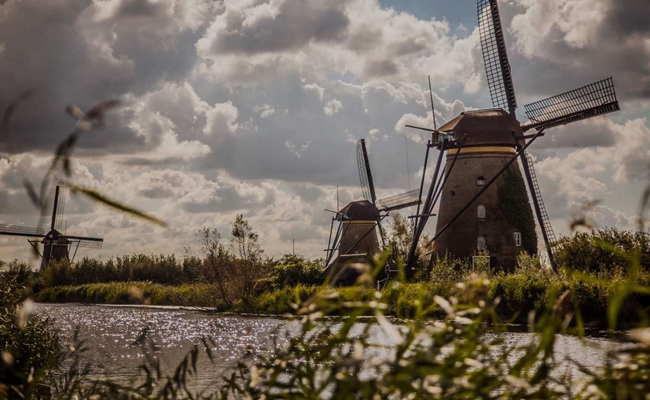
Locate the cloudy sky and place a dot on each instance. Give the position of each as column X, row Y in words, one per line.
column 253, row 107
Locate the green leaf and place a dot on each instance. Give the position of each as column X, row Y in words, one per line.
column 101, row 198
column 620, row 294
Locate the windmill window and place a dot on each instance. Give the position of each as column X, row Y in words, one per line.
column 480, row 212
column 480, row 181
column 480, row 243
column 518, row 239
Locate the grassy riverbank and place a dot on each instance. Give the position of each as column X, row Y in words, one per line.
column 592, row 267
column 276, row 301
column 516, row 294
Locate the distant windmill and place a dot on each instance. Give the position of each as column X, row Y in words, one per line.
column 483, row 199
column 359, row 221
column 56, row 245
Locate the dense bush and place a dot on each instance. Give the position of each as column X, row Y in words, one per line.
column 605, row 250
column 29, row 348
column 281, row 301
column 166, row 270
column 22, row 275
column 292, row 270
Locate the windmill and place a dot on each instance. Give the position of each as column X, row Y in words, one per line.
column 484, row 203
column 56, row 245
column 359, row 222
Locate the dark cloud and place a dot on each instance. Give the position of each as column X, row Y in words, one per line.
column 407, row 46
column 77, row 57
column 592, row 133
column 294, row 25
column 140, row 8
column 18, row 203
column 229, row 199
column 380, row 68
column 628, row 17
column 365, row 40
column 308, row 193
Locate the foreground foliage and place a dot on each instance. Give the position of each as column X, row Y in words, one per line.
column 29, row 348
column 346, row 347
column 440, row 351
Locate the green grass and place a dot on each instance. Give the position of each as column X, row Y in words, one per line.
column 198, row 295
column 517, row 295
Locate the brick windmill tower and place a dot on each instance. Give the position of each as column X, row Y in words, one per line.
column 359, row 224
column 484, row 204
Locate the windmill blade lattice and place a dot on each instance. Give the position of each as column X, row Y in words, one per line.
column 90, row 244
column 60, row 210
column 17, row 230
column 365, row 176
column 399, row 201
column 586, row 102
column 547, row 228
column 495, row 56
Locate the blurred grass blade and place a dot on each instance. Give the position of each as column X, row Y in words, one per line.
column 100, row 198
column 33, row 196
column 11, row 109
column 643, row 207
column 616, row 302
column 64, row 151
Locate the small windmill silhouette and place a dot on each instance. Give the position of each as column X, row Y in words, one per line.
column 57, row 246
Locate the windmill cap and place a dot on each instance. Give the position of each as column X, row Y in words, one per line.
column 484, row 127
column 362, row 210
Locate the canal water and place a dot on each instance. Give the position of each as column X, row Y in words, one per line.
column 110, row 333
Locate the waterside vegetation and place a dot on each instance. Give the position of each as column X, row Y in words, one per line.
column 593, row 266
column 440, row 352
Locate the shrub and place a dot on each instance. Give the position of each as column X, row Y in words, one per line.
column 292, row 270
column 603, row 251
column 449, row 269
column 30, row 348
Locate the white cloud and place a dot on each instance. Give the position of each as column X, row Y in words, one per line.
column 582, row 175
column 298, row 151
column 332, row 107
column 265, row 110
column 221, row 119
column 576, row 21
column 314, row 88
column 578, row 41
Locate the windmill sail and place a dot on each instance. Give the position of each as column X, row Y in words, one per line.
column 17, row 230
column 60, row 210
column 586, row 102
column 91, row 244
column 365, row 176
column 495, row 56
column 542, row 215
column 399, row 201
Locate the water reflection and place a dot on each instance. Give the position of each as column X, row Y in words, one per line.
column 110, row 333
